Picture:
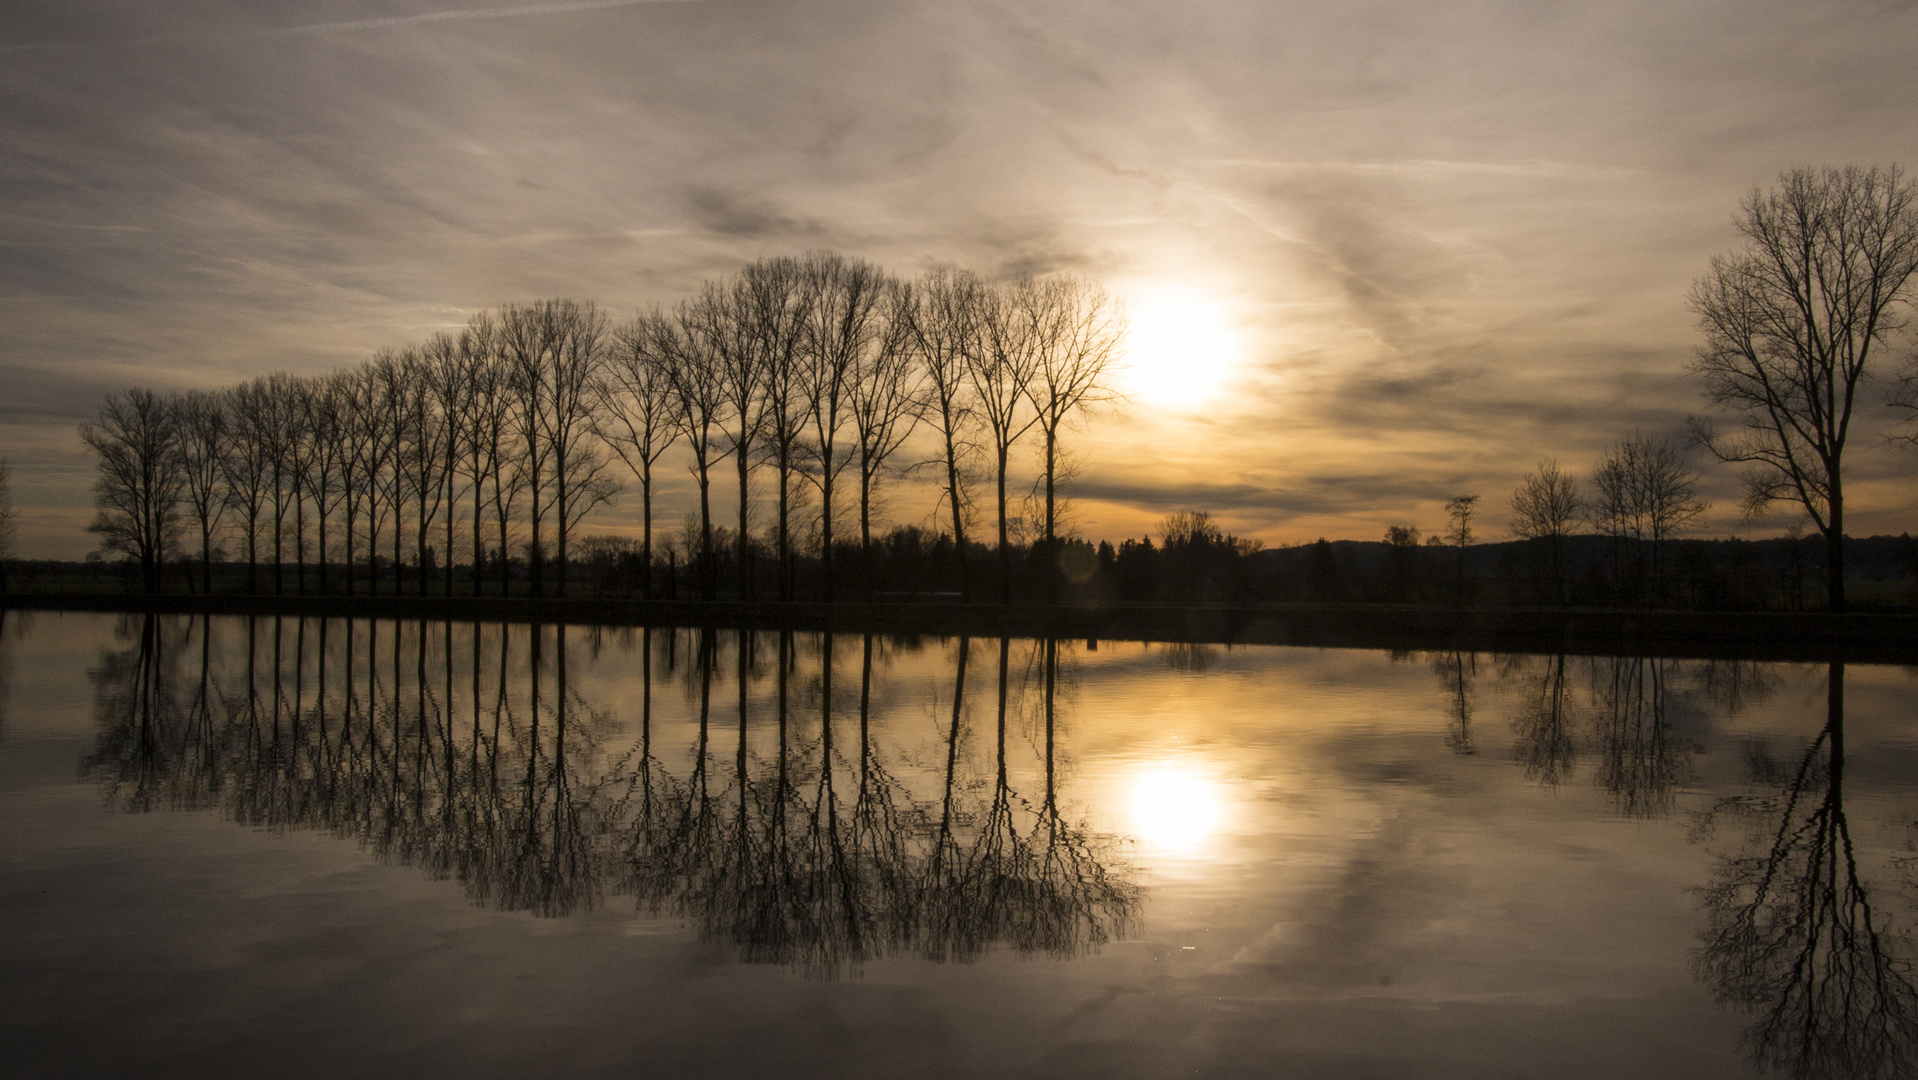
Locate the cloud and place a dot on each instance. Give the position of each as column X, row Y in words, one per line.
column 351, row 26
column 1456, row 242
column 731, row 214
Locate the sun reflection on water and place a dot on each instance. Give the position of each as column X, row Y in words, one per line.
column 1174, row 808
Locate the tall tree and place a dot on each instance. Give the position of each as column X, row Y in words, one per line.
column 203, row 424
column 693, row 371
column 526, row 335
column 278, row 431
column 324, row 421
column 490, row 439
column 450, row 375
column 246, row 468
column 776, row 296
column 1079, row 329
column 427, row 426
column 845, row 328
column 1645, row 493
column 639, row 415
column 1793, row 323
column 580, row 482
column 356, row 436
column 725, row 326
column 884, row 392
column 300, row 447
column 945, row 315
column 1001, row 367
column 391, row 374
column 1545, row 509
column 1459, row 512
column 142, row 477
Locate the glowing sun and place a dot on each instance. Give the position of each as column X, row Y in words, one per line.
column 1181, row 350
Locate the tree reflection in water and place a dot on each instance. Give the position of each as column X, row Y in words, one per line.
column 1634, row 723
column 1546, row 725
column 1793, row 935
column 467, row 751
column 1456, row 672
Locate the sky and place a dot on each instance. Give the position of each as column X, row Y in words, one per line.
column 1376, row 253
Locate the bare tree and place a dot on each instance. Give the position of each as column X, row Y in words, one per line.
column 277, row 429
column 300, row 447
column 142, row 477
column 846, row 329
column 1546, row 509
column 945, row 317
column 1792, row 325
column 1459, row 512
column 324, row 423
column 776, row 296
column 1079, row 330
column 1001, row 368
column 489, row 439
column 388, row 376
column 426, row 434
column 692, row 369
column 639, row 415
column 580, row 482
column 526, row 334
column 246, row 469
column 449, row 376
column 884, row 392
column 1645, row 494
column 355, row 434
column 203, row 428
column 725, row 318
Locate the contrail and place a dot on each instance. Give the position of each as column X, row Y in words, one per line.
column 348, row 27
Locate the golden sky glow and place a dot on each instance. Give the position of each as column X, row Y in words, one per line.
column 1377, row 256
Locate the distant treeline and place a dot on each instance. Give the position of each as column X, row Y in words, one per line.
column 1201, row 565
column 490, row 447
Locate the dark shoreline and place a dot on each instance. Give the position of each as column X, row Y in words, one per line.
column 1805, row 636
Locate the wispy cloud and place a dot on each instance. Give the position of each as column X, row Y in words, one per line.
column 349, row 27
column 1422, row 167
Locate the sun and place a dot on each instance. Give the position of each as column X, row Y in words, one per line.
column 1174, row 808
column 1181, row 351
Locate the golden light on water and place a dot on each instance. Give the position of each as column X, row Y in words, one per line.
column 1182, row 348
column 1174, row 807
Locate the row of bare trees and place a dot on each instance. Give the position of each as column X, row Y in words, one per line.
column 819, row 369
column 1644, row 493
column 788, row 830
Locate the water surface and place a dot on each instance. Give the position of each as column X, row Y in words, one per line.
column 306, row 847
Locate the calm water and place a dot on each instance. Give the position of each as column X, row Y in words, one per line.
column 275, row 847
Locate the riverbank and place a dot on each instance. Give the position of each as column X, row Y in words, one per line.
column 1810, row 636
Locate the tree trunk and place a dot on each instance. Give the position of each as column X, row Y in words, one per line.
column 958, row 527
column 1835, row 560
column 744, row 539
column 646, row 533
column 1051, row 565
column 1005, row 553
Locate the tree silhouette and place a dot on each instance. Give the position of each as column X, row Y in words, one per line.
column 1080, row 330
column 1546, row 509
column 142, row 478
column 1792, row 323
column 944, row 311
column 1644, row 494
column 640, row 415
column 1793, row 936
